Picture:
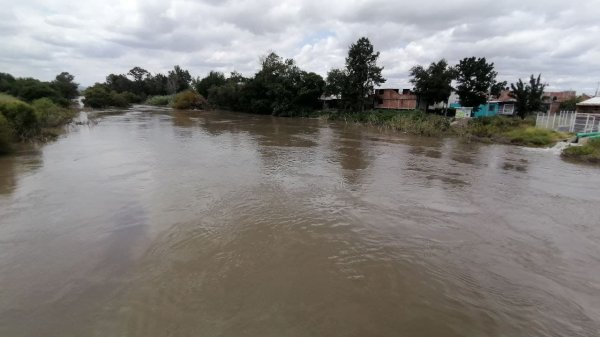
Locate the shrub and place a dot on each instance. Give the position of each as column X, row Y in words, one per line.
column 6, row 135
column 21, row 117
column 49, row 114
column 159, row 100
column 99, row 96
column 189, row 99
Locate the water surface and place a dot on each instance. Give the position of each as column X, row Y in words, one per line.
column 149, row 222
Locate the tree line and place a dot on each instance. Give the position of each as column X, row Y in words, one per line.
column 282, row 88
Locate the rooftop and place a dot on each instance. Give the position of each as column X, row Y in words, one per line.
column 591, row 101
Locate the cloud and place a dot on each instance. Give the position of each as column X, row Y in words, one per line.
column 558, row 39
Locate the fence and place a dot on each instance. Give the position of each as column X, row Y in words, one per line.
column 569, row 121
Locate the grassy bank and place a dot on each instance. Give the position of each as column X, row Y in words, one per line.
column 587, row 153
column 39, row 120
column 498, row 129
column 408, row 121
column 508, row 130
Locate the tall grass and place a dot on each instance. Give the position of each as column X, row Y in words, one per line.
column 502, row 129
column 411, row 121
column 159, row 100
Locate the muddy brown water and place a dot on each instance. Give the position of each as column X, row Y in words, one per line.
column 157, row 223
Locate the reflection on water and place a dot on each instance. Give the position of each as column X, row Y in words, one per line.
column 158, row 223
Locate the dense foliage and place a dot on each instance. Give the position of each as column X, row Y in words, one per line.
column 189, row 99
column 528, row 95
column 30, row 107
column 434, row 84
column 476, row 81
column 355, row 84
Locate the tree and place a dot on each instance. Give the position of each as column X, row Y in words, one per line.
column 476, row 81
column 139, row 75
column 363, row 74
column 6, row 82
column 336, row 82
column 528, row 95
column 214, row 78
column 178, row 80
column 433, row 84
column 65, row 85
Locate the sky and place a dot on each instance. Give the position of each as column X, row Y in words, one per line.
column 92, row 38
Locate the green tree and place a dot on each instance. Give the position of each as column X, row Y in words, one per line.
column 214, row 78
column 336, row 82
column 139, row 75
column 178, row 80
column 434, row 84
column 363, row 73
column 528, row 95
column 65, row 85
column 476, row 81
column 6, row 82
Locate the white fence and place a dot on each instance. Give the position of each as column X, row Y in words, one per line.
column 569, row 121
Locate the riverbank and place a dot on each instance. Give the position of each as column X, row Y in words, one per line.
column 39, row 121
column 587, row 153
column 497, row 129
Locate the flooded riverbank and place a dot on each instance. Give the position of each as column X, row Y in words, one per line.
column 160, row 223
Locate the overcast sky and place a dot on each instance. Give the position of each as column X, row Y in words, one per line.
column 92, row 38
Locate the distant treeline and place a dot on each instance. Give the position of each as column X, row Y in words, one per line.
column 282, row 88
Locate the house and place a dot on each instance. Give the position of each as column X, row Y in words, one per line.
column 590, row 106
column 551, row 100
column 503, row 104
column 331, row 101
column 394, row 99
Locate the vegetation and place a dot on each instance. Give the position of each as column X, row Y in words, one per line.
column 160, row 100
column 189, row 99
column 529, row 96
column 433, row 85
column 507, row 130
column 408, row 121
column 476, row 81
column 356, row 83
column 587, row 153
column 30, row 108
column 138, row 85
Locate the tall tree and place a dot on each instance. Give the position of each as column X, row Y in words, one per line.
column 434, row 84
column 363, row 72
column 139, row 75
column 476, row 81
column 528, row 95
column 179, row 80
column 64, row 84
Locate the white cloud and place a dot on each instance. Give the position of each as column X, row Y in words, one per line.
column 41, row 38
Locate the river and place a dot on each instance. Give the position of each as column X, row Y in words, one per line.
column 149, row 222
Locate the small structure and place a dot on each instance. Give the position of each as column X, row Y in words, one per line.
column 331, row 101
column 503, row 104
column 394, row 99
column 590, row 106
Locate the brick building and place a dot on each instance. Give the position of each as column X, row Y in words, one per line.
column 394, row 99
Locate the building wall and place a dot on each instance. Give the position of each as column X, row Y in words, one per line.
column 393, row 99
column 588, row 109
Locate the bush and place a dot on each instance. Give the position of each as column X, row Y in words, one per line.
column 6, row 135
column 99, row 96
column 49, row 114
column 189, row 99
column 21, row 117
column 159, row 100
